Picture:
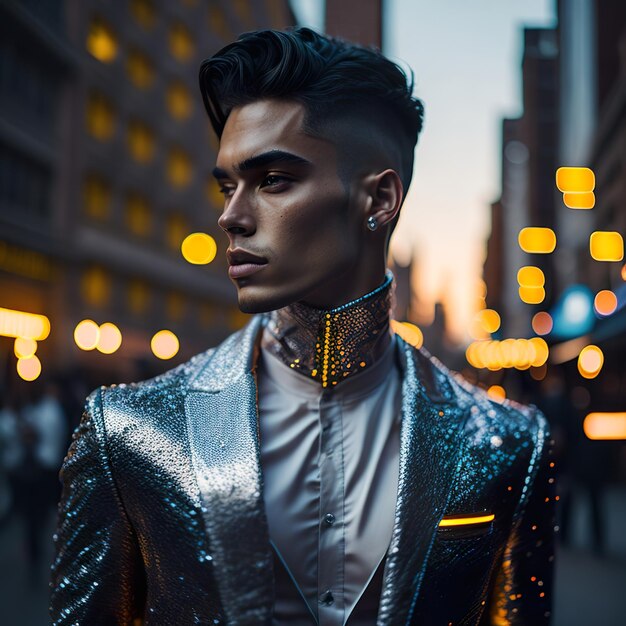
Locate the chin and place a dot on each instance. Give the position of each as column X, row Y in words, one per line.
column 261, row 300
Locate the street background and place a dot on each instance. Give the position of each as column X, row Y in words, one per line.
column 113, row 269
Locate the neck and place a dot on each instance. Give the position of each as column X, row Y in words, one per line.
column 330, row 345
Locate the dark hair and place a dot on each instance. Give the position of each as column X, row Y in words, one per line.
column 329, row 76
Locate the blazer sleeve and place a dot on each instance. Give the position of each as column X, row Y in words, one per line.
column 97, row 576
column 522, row 590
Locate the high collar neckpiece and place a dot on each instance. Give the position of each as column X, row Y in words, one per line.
column 331, row 345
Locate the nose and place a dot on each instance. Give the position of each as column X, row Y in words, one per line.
column 237, row 219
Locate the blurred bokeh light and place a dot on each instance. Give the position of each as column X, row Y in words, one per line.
column 606, row 246
column 199, row 248
column 87, row 335
column 164, row 344
column 537, row 240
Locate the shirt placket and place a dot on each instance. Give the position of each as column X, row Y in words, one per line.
column 330, row 574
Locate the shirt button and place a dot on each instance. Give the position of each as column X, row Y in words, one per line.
column 327, row 597
column 329, row 518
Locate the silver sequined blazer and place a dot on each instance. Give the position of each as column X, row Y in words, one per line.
column 161, row 520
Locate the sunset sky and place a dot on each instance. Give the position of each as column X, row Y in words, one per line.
column 466, row 57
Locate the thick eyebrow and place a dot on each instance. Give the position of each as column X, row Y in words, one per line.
column 263, row 160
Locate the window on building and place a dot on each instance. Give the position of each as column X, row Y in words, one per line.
column 143, row 12
column 176, row 230
column 25, row 185
column 181, row 42
column 96, row 196
column 175, row 306
column 138, row 296
column 140, row 69
column 96, row 286
column 178, row 100
column 28, row 86
column 101, row 41
column 217, row 22
column 100, row 116
column 138, row 214
column 243, row 9
column 179, row 169
column 140, row 140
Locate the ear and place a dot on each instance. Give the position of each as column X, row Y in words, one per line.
column 386, row 193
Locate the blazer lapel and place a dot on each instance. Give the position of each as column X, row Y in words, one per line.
column 430, row 444
column 221, row 409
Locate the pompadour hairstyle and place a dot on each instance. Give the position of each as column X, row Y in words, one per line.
column 330, row 77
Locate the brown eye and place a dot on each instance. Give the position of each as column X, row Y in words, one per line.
column 274, row 179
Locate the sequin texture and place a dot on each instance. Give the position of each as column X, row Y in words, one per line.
column 161, row 518
column 330, row 345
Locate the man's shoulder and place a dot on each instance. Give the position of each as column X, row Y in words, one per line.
column 485, row 417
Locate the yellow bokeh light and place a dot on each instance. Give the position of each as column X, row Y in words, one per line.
column 537, row 240
column 101, row 41
column 496, row 392
column 110, row 338
column 29, row 369
column 21, row 324
column 605, row 426
column 532, row 295
column 490, row 320
column 541, row 351
column 87, row 335
column 579, row 200
column 623, row 272
column 606, row 246
column 199, row 248
column 409, row 332
column 24, row 347
column 530, row 276
column 542, row 323
column 575, row 179
column 605, row 302
column 164, row 344
column 590, row 361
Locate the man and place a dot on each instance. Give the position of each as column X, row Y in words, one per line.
column 314, row 467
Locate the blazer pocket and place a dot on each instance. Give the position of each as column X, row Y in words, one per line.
column 465, row 525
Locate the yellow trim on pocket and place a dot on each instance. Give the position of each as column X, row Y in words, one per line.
column 466, row 520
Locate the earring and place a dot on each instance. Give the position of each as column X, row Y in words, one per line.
column 372, row 224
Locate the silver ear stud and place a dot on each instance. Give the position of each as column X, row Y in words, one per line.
column 372, row 224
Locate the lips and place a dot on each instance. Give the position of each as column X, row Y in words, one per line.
column 243, row 263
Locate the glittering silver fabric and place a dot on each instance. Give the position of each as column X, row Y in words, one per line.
column 332, row 345
column 161, row 518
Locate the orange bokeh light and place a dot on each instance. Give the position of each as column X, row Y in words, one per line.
column 497, row 393
column 542, row 323
column 605, row 426
column 605, row 302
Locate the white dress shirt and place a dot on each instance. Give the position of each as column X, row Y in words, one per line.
column 330, row 464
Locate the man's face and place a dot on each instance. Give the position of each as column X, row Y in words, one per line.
column 286, row 205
